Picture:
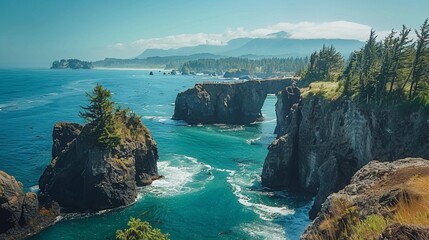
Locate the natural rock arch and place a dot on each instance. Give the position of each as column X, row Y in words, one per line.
column 226, row 102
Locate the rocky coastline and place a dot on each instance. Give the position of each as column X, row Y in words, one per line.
column 384, row 200
column 23, row 214
column 321, row 143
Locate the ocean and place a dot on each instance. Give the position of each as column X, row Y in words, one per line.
column 211, row 188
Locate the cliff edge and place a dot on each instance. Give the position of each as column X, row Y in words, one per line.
column 383, row 201
column 321, row 142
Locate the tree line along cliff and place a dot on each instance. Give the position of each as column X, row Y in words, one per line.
column 380, row 73
column 374, row 106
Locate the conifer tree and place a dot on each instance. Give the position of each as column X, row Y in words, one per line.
column 402, row 54
column 325, row 65
column 419, row 69
column 100, row 116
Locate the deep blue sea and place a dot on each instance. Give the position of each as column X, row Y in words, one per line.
column 211, row 188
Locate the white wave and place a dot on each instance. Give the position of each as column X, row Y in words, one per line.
column 241, row 183
column 51, row 94
column 160, row 112
column 253, row 140
column 168, row 121
column 231, row 172
column 271, row 120
column 233, row 128
column 34, row 188
column 30, row 102
column 164, row 120
column 58, row 218
column 150, row 117
column 266, row 231
column 182, row 174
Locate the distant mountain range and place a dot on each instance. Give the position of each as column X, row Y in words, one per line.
column 276, row 45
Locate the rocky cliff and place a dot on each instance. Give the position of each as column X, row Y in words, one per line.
column 232, row 103
column 383, row 201
column 21, row 214
column 83, row 176
column 321, row 143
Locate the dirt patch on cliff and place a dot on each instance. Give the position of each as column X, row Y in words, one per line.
column 402, row 176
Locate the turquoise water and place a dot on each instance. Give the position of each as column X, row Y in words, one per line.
column 211, row 188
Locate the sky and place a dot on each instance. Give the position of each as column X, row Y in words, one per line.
column 33, row 33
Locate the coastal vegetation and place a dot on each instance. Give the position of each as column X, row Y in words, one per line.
column 100, row 115
column 245, row 66
column 325, row 64
column 138, row 230
column 401, row 199
column 109, row 124
column 390, row 71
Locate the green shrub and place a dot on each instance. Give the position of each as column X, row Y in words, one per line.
column 139, row 230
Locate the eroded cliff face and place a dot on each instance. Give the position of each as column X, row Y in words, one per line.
column 21, row 214
column 82, row 176
column 322, row 143
column 231, row 103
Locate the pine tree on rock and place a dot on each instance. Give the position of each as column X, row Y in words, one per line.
column 100, row 116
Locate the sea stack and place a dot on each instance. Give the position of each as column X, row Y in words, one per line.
column 93, row 171
column 83, row 176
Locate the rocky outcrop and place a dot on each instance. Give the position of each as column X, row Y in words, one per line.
column 21, row 214
column 83, row 176
column 405, row 232
column 383, row 201
column 232, row 103
column 322, row 143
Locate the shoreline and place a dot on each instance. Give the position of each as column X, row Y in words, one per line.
column 133, row 69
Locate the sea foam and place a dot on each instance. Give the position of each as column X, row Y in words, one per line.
column 241, row 183
column 182, row 174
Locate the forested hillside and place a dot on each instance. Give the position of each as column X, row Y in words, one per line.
column 388, row 71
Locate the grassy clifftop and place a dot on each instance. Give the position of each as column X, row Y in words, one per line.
column 382, row 198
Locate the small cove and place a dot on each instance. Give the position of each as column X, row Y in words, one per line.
column 211, row 188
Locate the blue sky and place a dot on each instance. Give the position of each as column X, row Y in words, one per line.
column 36, row 32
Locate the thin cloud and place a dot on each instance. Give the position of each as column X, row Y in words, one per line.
column 300, row 30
